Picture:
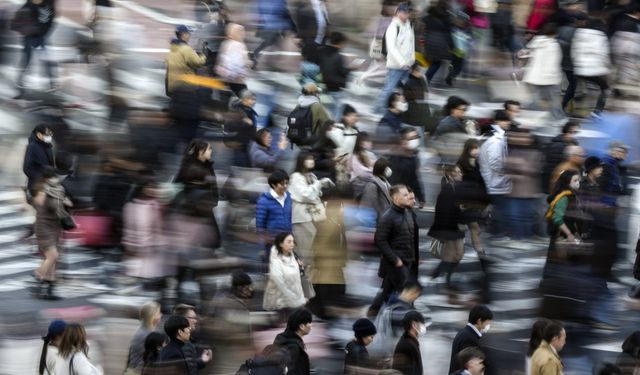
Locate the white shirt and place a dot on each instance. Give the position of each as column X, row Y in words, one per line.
column 475, row 329
column 280, row 199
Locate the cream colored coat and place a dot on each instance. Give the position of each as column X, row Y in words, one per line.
column 284, row 288
column 303, row 195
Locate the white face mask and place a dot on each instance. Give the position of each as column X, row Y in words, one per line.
column 47, row 139
column 575, row 185
column 387, row 172
column 486, row 328
column 401, row 106
column 422, row 329
column 309, row 164
column 413, row 144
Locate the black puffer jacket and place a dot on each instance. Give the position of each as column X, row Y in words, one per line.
column 334, row 72
column 394, row 238
column 298, row 363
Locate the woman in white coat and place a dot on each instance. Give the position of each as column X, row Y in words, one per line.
column 543, row 72
column 72, row 358
column 307, row 207
column 284, row 285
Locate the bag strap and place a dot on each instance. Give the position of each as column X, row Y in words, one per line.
column 71, row 370
column 549, row 214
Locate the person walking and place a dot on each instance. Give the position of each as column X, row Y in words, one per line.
column 356, row 354
column 233, row 63
column 50, row 345
column 391, row 124
column 405, row 163
column 150, row 316
column 182, row 59
column 479, row 323
column 400, row 46
column 196, row 360
column 334, row 71
column 274, row 23
column 406, row 356
column 537, row 333
column 179, row 331
column 298, row 326
column 472, row 191
column 454, row 112
column 546, row 360
column 375, row 195
column 274, row 209
column 38, row 155
column 73, row 353
column 262, row 155
column 284, row 286
column 437, row 38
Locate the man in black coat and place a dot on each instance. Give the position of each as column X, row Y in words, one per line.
column 554, row 151
column 406, row 356
column 179, row 332
column 406, row 165
column 39, row 154
column 298, row 326
column 334, row 71
column 480, row 318
column 194, row 361
column 396, row 242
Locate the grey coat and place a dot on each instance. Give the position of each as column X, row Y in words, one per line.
column 376, row 196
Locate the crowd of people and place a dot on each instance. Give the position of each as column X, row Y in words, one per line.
column 497, row 176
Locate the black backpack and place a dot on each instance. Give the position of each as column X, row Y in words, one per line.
column 271, row 361
column 299, row 123
column 384, row 41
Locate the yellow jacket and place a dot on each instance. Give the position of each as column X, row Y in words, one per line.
column 181, row 60
column 545, row 361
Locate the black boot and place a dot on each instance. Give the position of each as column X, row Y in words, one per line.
column 441, row 267
column 49, row 295
column 38, row 288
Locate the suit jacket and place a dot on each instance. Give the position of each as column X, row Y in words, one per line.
column 465, row 338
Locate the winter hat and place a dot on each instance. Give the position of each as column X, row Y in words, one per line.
column 592, row 162
column 55, row 328
column 240, row 278
column 363, row 328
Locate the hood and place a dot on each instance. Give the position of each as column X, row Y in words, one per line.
column 541, row 41
column 307, row 100
column 288, row 338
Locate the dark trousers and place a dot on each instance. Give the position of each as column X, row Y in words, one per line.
column 601, row 81
column 269, row 38
column 30, row 43
column 570, row 92
column 394, row 280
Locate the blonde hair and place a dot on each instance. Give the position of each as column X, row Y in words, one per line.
column 148, row 311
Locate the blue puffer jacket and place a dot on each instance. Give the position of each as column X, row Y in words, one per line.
column 274, row 15
column 271, row 217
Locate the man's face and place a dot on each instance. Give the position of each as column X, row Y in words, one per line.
column 350, row 119
column 403, row 16
column 558, row 342
column 401, row 199
column 305, row 329
column 245, row 291
column 476, row 366
column 571, row 134
column 192, row 317
column 596, row 172
column 619, row 154
column 513, row 110
column 281, row 187
column 249, row 102
column 412, row 200
column 367, row 340
column 185, row 36
column 184, row 334
column 505, row 125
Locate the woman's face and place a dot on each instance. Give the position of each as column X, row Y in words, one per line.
column 366, row 145
column 287, row 245
column 456, row 175
column 574, row 184
column 474, row 152
column 206, row 154
column 367, row 340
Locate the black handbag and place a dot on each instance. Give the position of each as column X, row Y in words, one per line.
column 66, row 220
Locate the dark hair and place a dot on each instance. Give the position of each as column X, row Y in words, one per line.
column 174, row 324
column 259, row 134
column 553, row 329
column 631, row 345
column 463, row 160
column 277, row 177
column 348, row 109
column 447, row 170
column 298, row 317
column 566, row 128
column 379, row 167
column 183, row 309
column 480, row 312
column 302, row 156
column 41, row 128
column 406, row 130
column 509, row 102
column 536, row 335
column 395, row 189
column 195, row 148
column 152, row 345
column 336, row 38
column 562, row 184
column 501, row 115
column 358, row 151
column 453, row 102
column 549, row 29
column 609, row 368
column 392, row 99
column 467, row 354
column 410, row 317
column 280, row 237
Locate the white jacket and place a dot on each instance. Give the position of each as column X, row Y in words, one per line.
column 400, row 44
column 344, row 138
column 303, row 195
column 284, row 288
column 491, row 159
column 544, row 66
column 590, row 53
column 61, row 366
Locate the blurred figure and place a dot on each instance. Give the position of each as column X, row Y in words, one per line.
column 361, row 162
column 590, row 55
column 153, row 344
column 274, row 21
column 312, row 21
column 182, row 59
column 546, row 360
column 405, row 163
column 179, row 331
column 406, row 356
column 612, row 179
column 50, row 345
column 565, row 39
column 625, row 46
column 356, row 354
column 400, row 45
column 479, row 323
column 38, row 155
column 375, row 194
column 537, row 333
column 609, row 369
column 310, row 100
column 143, row 233
column 73, row 353
column 233, row 63
column 284, row 287
column 454, row 112
column 308, row 209
column 437, row 38
column 574, row 159
column 241, row 128
column 150, row 316
column 199, row 194
column 543, row 70
column 390, row 124
column 554, row 151
column 324, row 152
column 445, row 224
column 492, row 158
column 540, row 12
column 513, row 108
column 471, row 361
column 274, row 210
column 195, row 359
column 414, row 91
column 298, row 326
column 561, row 198
column 334, row 71
column 629, row 359
column 262, row 155
column 51, row 203
column 472, row 190
column 34, row 21
column 345, row 133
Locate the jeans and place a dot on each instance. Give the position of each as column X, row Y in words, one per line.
column 550, row 94
column 30, row 43
column 433, row 69
column 521, row 217
column 394, row 77
column 335, row 109
column 308, row 72
column 500, row 220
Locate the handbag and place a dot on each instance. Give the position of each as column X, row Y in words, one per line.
column 66, row 220
column 375, row 48
column 307, row 287
column 318, row 211
column 570, row 250
column 436, row 248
